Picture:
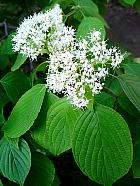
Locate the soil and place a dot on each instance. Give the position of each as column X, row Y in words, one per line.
column 124, row 28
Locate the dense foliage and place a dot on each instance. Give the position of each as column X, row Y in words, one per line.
column 66, row 92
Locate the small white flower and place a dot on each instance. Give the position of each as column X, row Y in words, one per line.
column 32, row 34
column 82, row 65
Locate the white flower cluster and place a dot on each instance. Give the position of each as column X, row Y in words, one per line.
column 81, row 66
column 77, row 68
column 32, row 35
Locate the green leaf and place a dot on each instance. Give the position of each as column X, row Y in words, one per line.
column 40, row 68
column 4, row 60
column 89, row 24
column 38, row 131
column 2, row 119
column 105, row 99
column 15, row 84
column 1, row 183
column 3, row 99
column 6, row 46
column 102, row 20
column 131, row 87
column 115, row 87
column 102, row 145
column 128, row 106
column 129, row 2
column 137, row 5
column 42, row 171
column 132, row 69
column 88, row 7
column 15, row 161
column 61, row 126
column 56, row 181
column 60, row 123
column 19, row 61
column 25, row 112
column 136, row 160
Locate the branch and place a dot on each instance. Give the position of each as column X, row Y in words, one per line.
column 6, row 27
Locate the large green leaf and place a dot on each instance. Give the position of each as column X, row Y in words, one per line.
column 15, row 159
column 131, row 87
column 137, row 5
column 4, row 60
column 6, row 46
column 25, row 112
column 1, row 183
column 129, row 2
column 136, row 160
column 38, row 131
column 105, row 99
column 60, row 123
column 40, row 68
column 115, row 87
column 88, row 7
column 102, row 145
column 56, row 181
column 42, row 171
column 89, row 24
column 3, row 98
column 128, row 106
column 132, row 69
column 54, row 127
column 15, row 84
column 2, row 119
column 19, row 61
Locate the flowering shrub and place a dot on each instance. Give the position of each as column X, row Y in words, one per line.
column 79, row 95
column 74, row 65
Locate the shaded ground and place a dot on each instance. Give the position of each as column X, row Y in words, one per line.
column 124, row 27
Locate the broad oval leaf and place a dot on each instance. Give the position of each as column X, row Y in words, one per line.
column 128, row 106
column 15, row 84
column 25, row 112
column 105, row 99
column 3, row 98
column 115, row 87
column 38, row 131
column 56, row 181
column 136, row 160
column 89, row 24
column 102, row 145
column 129, row 2
column 6, row 46
column 4, row 61
column 132, row 69
column 137, row 6
column 1, row 183
column 19, row 61
column 2, row 119
column 15, row 159
column 42, row 171
column 59, row 126
column 131, row 87
column 88, row 7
